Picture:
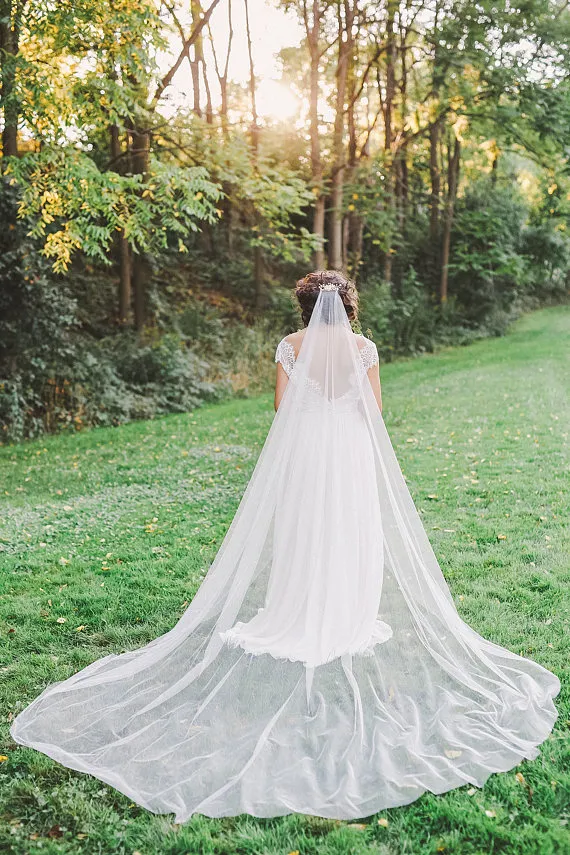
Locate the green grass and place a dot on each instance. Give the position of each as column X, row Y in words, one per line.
column 106, row 535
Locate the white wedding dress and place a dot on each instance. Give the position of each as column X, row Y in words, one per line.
column 322, row 666
column 328, row 517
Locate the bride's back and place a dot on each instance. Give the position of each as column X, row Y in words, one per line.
column 296, row 340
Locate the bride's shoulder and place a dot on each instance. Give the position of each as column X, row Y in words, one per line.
column 362, row 341
column 293, row 340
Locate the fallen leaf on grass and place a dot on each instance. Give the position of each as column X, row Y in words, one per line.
column 471, row 791
column 490, row 813
column 501, row 537
column 522, row 780
column 383, row 822
column 61, row 620
column 55, row 831
column 3, row 758
column 357, row 826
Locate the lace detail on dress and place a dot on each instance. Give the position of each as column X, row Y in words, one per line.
column 369, row 355
column 285, row 354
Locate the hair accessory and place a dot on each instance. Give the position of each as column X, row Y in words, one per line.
column 329, row 286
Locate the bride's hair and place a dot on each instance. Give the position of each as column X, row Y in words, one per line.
column 308, row 288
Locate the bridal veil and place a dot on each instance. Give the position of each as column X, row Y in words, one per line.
column 322, row 666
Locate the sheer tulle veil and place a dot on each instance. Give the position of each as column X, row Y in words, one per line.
column 322, row 666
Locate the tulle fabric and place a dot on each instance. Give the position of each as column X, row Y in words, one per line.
column 322, row 667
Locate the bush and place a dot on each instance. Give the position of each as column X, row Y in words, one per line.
column 55, row 373
column 548, row 255
column 405, row 324
column 488, row 272
column 37, row 319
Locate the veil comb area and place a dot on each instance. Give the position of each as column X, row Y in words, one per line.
column 322, row 666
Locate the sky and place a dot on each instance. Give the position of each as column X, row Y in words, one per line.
column 271, row 30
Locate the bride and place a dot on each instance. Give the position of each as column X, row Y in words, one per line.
column 322, row 667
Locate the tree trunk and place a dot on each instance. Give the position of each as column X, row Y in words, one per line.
column 222, row 74
column 195, row 73
column 230, row 216
column 337, row 179
column 319, row 229
column 9, row 47
column 403, row 151
column 388, row 134
column 125, row 280
column 434, row 134
column 198, row 58
column 140, row 150
column 209, row 107
column 350, row 220
column 494, row 169
column 258, row 261
column 434, row 145
column 453, row 177
column 123, row 249
column 313, row 34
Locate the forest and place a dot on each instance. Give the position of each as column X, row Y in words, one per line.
column 154, row 219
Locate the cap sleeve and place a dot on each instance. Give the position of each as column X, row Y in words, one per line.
column 369, row 355
column 285, row 354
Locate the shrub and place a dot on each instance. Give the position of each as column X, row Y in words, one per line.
column 399, row 325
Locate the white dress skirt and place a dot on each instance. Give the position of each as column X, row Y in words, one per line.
column 325, row 586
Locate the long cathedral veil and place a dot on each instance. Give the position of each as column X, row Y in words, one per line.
column 319, row 719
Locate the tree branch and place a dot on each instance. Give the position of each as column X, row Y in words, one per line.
column 186, row 45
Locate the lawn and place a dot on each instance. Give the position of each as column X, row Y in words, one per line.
column 105, row 536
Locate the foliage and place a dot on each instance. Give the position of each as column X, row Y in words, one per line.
column 191, row 218
column 548, row 257
column 488, row 271
column 37, row 318
column 74, row 206
column 269, row 198
column 63, row 367
column 81, row 63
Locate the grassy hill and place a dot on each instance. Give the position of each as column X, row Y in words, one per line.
column 105, row 536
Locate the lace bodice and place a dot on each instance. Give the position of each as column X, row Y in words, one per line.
column 285, row 354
